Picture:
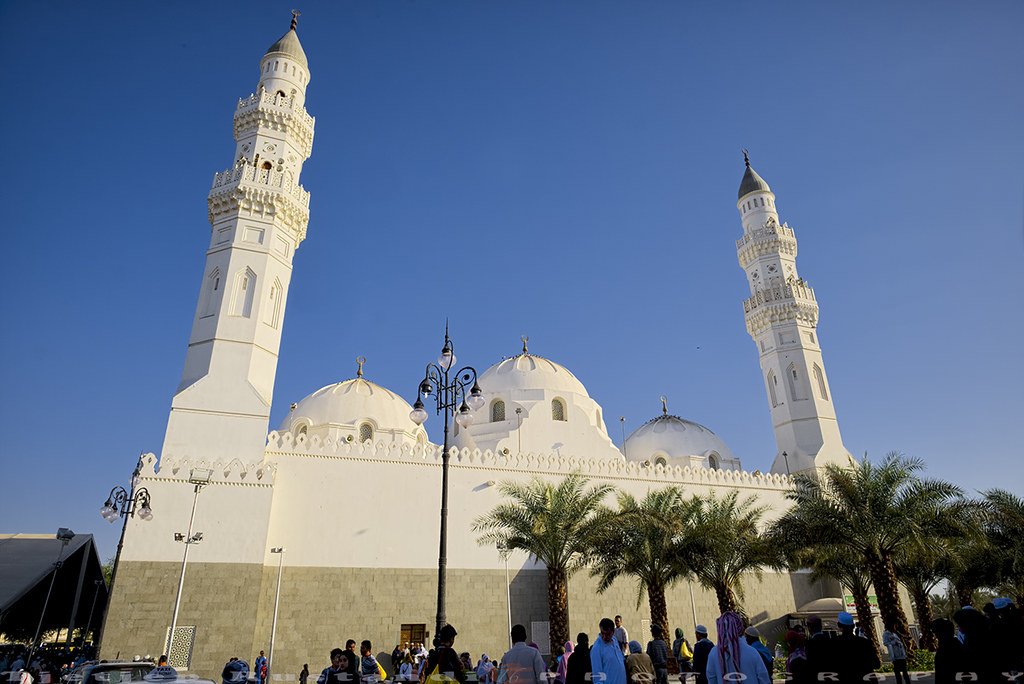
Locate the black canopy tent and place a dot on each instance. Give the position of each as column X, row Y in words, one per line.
column 27, row 566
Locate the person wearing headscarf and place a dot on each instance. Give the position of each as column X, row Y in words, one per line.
column 639, row 668
column 796, row 662
column 483, row 670
column 733, row 655
column 682, row 651
column 578, row 663
column 563, row 663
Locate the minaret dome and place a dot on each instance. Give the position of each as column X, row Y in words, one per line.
column 284, row 69
column 756, row 201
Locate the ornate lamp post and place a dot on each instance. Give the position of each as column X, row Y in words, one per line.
column 123, row 504
column 449, row 391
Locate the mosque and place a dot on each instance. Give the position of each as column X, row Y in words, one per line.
column 268, row 572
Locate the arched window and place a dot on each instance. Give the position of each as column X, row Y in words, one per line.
column 820, row 378
column 661, row 461
column 245, row 287
column 213, row 292
column 772, row 384
column 497, row 411
column 303, row 429
column 797, row 386
column 272, row 312
column 557, row 410
column 713, row 461
column 365, row 433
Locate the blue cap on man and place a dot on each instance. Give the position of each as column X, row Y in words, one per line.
column 845, row 619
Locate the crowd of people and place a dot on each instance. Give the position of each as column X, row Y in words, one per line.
column 46, row 665
column 976, row 646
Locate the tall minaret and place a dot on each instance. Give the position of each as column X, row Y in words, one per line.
column 782, row 317
column 259, row 214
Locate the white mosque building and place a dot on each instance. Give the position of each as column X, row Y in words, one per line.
column 347, row 569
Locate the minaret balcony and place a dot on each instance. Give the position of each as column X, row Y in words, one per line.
column 795, row 293
column 275, row 112
column 770, row 239
column 246, row 175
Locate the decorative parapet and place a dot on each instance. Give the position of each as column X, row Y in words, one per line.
column 247, row 174
column 769, row 239
column 285, row 443
column 224, row 472
column 782, row 293
column 260, row 191
column 275, row 112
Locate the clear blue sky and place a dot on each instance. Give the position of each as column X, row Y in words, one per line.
column 564, row 170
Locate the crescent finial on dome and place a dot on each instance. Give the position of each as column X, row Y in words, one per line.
column 664, row 405
column 360, row 360
column 525, row 339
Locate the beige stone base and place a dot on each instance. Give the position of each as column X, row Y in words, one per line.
column 232, row 608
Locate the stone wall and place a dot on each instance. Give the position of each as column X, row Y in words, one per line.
column 232, row 607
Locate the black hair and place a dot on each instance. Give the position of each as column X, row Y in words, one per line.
column 518, row 634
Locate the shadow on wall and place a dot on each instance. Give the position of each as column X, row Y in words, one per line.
column 528, row 590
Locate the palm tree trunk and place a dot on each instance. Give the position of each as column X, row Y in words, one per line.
column 726, row 600
column 923, row 606
column 659, row 608
column 883, row 577
column 558, row 606
column 864, row 616
column 964, row 593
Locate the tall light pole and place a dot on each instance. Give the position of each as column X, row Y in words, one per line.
column 277, row 597
column 122, row 504
column 64, row 535
column 504, row 551
column 449, row 390
column 198, row 477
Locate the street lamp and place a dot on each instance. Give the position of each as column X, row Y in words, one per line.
column 123, row 504
column 504, row 551
column 277, row 597
column 64, row 535
column 449, row 390
column 198, row 477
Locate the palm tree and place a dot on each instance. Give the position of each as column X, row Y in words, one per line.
column 920, row 569
column 872, row 510
column 723, row 543
column 1004, row 527
column 555, row 524
column 849, row 571
column 641, row 539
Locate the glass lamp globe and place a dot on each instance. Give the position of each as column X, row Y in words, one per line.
column 418, row 415
column 146, row 513
column 465, row 418
column 108, row 512
column 446, row 360
column 476, row 397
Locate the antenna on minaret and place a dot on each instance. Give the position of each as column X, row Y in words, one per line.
column 746, row 159
column 664, row 405
column 360, row 360
column 525, row 339
column 295, row 18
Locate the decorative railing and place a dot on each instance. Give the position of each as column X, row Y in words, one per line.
column 263, row 98
column 766, row 233
column 247, row 174
column 784, row 292
column 280, row 443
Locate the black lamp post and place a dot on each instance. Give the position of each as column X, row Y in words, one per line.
column 449, row 390
column 123, row 504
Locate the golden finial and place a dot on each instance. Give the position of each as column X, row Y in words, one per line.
column 664, row 405
column 295, row 18
column 525, row 339
column 360, row 360
column 746, row 159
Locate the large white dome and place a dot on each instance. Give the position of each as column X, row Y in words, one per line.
column 526, row 372
column 672, row 440
column 348, row 406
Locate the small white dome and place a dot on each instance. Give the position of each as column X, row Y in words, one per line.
column 525, row 372
column 678, row 442
column 350, row 404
